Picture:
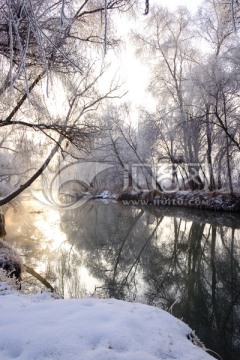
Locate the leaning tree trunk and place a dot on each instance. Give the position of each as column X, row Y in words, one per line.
column 18, row 191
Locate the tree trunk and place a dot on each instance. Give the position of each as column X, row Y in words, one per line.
column 212, row 185
column 2, row 226
column 18, row 191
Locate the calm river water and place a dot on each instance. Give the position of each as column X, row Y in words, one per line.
column 185, row 261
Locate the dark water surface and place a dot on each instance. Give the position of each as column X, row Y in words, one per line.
column 185, row 261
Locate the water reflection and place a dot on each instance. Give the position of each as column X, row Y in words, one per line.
column 182, row 260
column 36, row 233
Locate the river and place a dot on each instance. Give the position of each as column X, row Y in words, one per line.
column 182, row 260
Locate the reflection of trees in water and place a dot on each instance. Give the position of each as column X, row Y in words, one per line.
column 226, row 290
column 114, row 239
column 59, row 266
column 62, row 270
column 126, row 248
column 22, row 234
column 204, row 276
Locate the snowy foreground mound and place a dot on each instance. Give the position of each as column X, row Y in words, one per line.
column 35, row 327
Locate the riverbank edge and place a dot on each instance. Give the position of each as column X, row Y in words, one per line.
column 203, row 200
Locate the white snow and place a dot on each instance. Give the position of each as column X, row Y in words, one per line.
column 36, row 327
column 105, row 194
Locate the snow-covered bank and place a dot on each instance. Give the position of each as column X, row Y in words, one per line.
column 36, row 327
column 10, row 261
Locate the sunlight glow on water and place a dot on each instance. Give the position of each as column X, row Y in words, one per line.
column 49, row 225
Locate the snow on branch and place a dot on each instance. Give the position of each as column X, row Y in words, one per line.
column 234, row 9
column 33, row 34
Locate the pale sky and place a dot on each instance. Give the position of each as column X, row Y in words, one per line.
column 131, row 70
column 134, row 71
column 171, row 4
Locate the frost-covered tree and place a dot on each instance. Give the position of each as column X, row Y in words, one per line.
column 170, row 53
column 216, row 81
column 46, row 46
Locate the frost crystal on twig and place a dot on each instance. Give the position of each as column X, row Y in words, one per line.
column 31, row 37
